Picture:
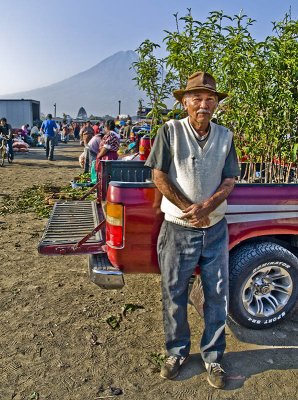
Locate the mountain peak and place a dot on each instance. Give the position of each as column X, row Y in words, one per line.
column 97, row 89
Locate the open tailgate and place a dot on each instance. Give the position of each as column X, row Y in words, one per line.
column 74, row 227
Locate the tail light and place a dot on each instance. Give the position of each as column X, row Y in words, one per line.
column 114, row 225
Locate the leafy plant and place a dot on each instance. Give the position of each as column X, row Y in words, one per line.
column 34, row 396
column 157, row 359
column 127, row 308
column 114, row 321
column 154, row 79
column 261, row 79
column 83, row 178
column 34, row 199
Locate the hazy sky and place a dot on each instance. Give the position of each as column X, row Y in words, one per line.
column 45, row 41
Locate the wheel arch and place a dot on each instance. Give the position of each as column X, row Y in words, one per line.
column 288, row 241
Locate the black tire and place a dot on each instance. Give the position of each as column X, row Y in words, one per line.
column 263, row 284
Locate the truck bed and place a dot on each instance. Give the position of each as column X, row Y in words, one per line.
column 122, row 171
column 71, row 221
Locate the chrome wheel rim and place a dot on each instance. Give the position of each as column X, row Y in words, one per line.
column 268, row 290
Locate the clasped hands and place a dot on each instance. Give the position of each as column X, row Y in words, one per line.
column 197, row 215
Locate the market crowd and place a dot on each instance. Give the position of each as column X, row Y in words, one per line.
column 100, row 140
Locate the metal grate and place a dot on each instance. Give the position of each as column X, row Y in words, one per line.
column 70, row 222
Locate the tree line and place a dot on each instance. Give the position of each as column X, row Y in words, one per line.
column 261, row 78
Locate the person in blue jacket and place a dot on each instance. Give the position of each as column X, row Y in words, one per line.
column 49, row 128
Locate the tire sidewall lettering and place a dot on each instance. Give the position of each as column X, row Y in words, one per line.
column 280, row 264
column 267, row 321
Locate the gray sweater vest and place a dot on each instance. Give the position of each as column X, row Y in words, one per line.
column 196, row 172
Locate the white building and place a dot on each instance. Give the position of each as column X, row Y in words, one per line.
column 19, row 112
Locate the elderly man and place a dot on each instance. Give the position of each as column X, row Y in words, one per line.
column 194, row 167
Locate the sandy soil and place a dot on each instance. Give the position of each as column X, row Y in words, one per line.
column 55, row 342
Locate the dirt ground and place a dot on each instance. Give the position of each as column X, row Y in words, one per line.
column 55, row 342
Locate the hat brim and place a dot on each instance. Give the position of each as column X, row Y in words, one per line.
column 178, row 94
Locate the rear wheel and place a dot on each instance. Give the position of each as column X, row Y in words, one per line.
column 263, row 284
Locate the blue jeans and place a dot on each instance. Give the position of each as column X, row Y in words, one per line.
column 10, row 142
column 180, row 249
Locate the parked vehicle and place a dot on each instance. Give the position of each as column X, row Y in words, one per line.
column 119, row 233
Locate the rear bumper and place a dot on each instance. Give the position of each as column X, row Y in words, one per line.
column 103, row 273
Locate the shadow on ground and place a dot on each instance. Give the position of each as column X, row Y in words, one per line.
column 283, row 334
column 64, row 153
column 241, row 366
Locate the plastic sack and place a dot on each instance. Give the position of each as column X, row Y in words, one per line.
column 20, row 145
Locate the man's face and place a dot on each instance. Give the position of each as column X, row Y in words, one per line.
column 200, row 106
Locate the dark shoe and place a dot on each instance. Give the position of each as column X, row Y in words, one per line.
column 51, row 159
column 216, row 375
column 172, row 366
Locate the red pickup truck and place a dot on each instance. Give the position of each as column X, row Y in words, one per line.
column 119, row 233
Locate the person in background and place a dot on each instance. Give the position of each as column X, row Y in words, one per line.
column 93, row 148
column 34, row 130
column 76, row 131
column 34, row 133
column 83, row 124
column 117, row 129
column 194, row 166
column 58, row 126
column 86, row 134
column 6, row 130
column 109, row 144
column 65, row 133
column 121, row 128
column 101, row 128
column 96, row 128
column 58, row 133
column 127, row 129
column 70, row 132
column 48, row 128
column 25, row 133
